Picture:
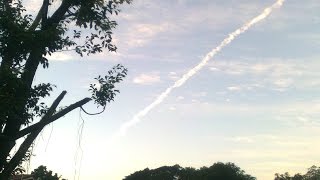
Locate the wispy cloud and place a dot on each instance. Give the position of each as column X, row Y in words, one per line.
column 308, row 37
column 272, row 66
column 282, row 84
column 273, row 73
column 173, row 76
column 140, row 34
column 179, row 98
column 60, row 56
column 289, row 113
column 146, row 79
column 234, row 88
column 150, row 20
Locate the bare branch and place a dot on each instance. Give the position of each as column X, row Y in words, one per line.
column 29, row 140
column 44, row 13
column 36, row 21
column 14, row 162
column 60, row 12
column 55, row 104
column 48, row 119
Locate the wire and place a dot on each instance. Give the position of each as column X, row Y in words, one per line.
column 49, row 137
column 79, row 151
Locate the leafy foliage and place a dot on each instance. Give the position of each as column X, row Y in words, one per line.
column 21, row 35
column 19, row 170
column 83, row 27
column 105, row 91
column 313, row 173
column 34, row 107
column 41, row 173
column 217, row 171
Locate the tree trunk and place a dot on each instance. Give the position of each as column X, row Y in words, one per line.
column 33, row 132
column 14, row 162
column 16, row 117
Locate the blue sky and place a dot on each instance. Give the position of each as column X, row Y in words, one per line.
column 255, row 104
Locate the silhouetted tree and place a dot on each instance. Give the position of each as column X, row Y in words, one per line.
column 82, row 26
column 224, row 171
column 189, row 173
column 217, row 171
column 313, row 173
column 164, row 172
column 285, row 176
column 41, row 173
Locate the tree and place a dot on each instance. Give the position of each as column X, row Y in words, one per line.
column 313, row 173
column 42, row 173
column 224, row 171
column 25, row 42
column 217, row 171
column 164, row 172
column 285, row 176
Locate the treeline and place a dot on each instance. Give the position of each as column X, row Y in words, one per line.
column 218, row 171
column 313, row 173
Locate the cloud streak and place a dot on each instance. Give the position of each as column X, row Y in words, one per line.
column 137, row 118
column 146, row 79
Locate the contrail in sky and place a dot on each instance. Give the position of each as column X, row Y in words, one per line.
column 137, row 118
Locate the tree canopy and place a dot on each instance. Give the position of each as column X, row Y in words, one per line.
column 42, row 173
column 26, row 40
column 313, row 173
column 217, row 171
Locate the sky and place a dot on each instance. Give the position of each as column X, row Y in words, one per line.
column 255, row 104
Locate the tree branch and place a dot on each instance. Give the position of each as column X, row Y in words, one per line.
column 44, row 13
column 29, row 140
column 35, row 129
column 14, row 162
column 46, row 120
column 55, row 104
column 60, row 12
column 36, row 21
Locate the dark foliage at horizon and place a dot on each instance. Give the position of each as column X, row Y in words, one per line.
column 313, row 173
column 42, row 173
column 218, row 171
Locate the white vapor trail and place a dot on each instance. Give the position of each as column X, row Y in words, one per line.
column 137, row 118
